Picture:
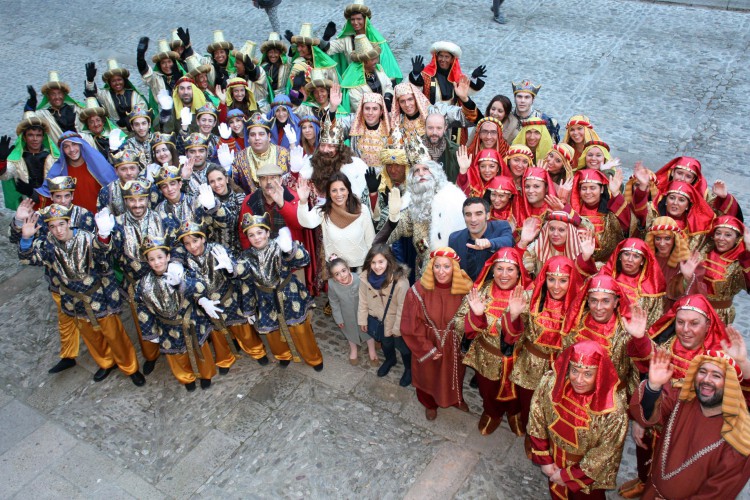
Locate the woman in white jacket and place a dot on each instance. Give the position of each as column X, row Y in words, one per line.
column 346, row 223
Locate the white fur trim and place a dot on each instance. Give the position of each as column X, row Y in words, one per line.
column 306, row 171
column 449, row 47
column 447, row 215
column 355, row 171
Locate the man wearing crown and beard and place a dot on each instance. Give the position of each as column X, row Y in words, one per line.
column 430, row 210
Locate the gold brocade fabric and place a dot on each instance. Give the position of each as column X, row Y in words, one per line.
column 723, row 281
column 74, row 258
column 600, row 443
column 182, row 211
column 653, row 306
column 162, row 299
column 608, row 235
column 420, row 235
column 369, row 145
column 539, row 329
column 412, row 126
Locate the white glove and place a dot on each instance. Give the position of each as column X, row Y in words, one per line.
column 226, row 157
column 116, row 138
column 222, row 259
column 105, row 222
column 174, row 273
column 284, row 240
column 224, row 131
column 166, row 102
column 154, row 341
column 296, row 158
column 251, row 319
column 394, row 204
column 186, row 118
column 613, row 163
column 209, row 306
column 182, row 160
column 290, row 134
column 306, row 171
column 151, row 170
column 206, row 197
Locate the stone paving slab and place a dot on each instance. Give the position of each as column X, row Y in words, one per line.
column 445, row 474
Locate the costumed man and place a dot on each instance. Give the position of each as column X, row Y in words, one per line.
column 91, row 170
column 62, row 190
column 358, row 17
column 24, row 166
column 411, row 108
column 88, row 289
column 432, row 213
column 442, row 150
column 206, row 118
column 197, row 149
column 578, row 423
column 524, row 94
column 276, row 65
column 283, row 304
column 184, row 206
column 169, row 318
column 165, row 72
column 118, row 95
column 140, row 140
column 439, row 79
column 432, row 333
column 318, row 100
column 123, row 246
column 310, row 55
column 393, row 175
column 231, row 313
column 57, row 107
column 259, row 152
column 367, row 129
column 178, row 110
column 704, row 450
column 689, row 329
column 111, row 196
column 604, row 314
column 96, row 125
column 366, row 75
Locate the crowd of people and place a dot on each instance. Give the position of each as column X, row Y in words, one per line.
column 244, row 183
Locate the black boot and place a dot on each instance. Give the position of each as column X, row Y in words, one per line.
column 406, row 377
column 318, row 368
column 263, row 361
column 190, row 386
column 138, row 379
column 284, row 362
column 205, row 383
column 148, row 366
column 63, row 364
column 223, row 371
column 102, row 373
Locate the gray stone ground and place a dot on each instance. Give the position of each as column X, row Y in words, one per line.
column 657, row 80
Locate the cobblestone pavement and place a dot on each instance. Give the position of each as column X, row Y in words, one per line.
column 657, row 80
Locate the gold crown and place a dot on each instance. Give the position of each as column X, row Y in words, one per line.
column 149, row 243
column 61, row 183
column 330, row 132
column 190, row 227
column 55, row 212
column 167, row 173
column 250, row 220
column 137, row 188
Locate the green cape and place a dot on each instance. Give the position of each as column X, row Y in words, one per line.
column 387, row 60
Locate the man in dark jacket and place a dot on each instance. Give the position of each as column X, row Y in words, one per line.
column 481, row 238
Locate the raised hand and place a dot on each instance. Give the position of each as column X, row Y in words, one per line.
column 529, row 231
column 105, row 222
column 116, row 138
column 184, row 36
column 394, row 204
column 90, row 71
column 563, row 189
column 277, row 193
column 288, row 35
column 186, row 117
column 209, row 306
column 303, row 191
column 222, row 259
column 206, row 197
column 187, row 167
column 746, row 237
column 417, row 65
column 660, row 369
column 224, row 131
column 220, row 93
column 615, row 184
column 476, row 303
column 642, row 175
column 587, row 241
column 142, row 46
column 517, row 302
column 335, row 97
column 225, row 156
column 613, row 163
column 372, row 179
column 165, row 100
column 31, row 102
column 5, row 148
column 636, row 327
column 25, row 209
column 687, row 267
column 461, row 87
column 290, row 134
column 329, row 31
column 479, row 72
column 284, row 240
column 174, row 274
column 464, row 159
column 30, row 226
column 735, row 347
column 296, row 158
column 720, row 189
column 554, row 202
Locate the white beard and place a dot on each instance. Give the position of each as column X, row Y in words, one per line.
column 446, row 214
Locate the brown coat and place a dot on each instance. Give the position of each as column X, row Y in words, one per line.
column 372, row 302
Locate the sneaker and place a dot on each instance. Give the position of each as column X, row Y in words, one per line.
column 63, row 364
column 500, row 18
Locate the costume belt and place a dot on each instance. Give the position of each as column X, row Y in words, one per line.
column 535, row 351
column 219, row 324
column 283, row 327
column 191, row 338
column 494, row 350
column 80, row 297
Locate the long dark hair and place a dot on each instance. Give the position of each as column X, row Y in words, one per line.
column 507, row 105
column 395, row 269
column 353, row 206
column 233, row 188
